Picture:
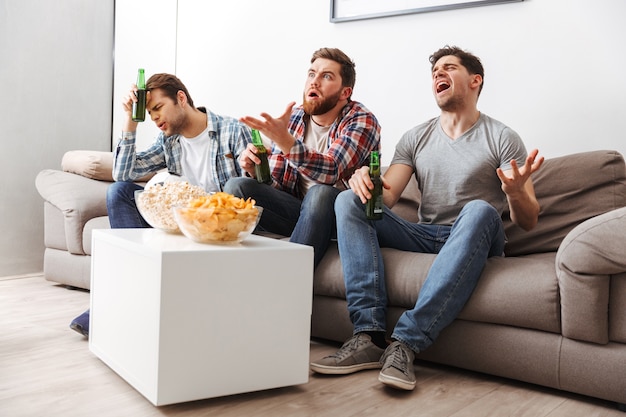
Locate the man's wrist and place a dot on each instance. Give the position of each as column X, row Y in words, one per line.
column 126, row 136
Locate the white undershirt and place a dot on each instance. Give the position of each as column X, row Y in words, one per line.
column 196, row 164
column 315, row 137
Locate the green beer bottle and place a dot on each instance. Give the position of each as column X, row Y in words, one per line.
column 374, row 206
column 139, row 107
column 262, row 170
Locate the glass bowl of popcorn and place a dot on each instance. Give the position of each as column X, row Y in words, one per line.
column 218, row 218
column 155, row 202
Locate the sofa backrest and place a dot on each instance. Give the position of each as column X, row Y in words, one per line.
column 570, row 189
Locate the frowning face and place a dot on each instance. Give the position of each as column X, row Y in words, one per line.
column 166, row 113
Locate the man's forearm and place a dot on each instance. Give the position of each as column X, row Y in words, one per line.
column 524, row 210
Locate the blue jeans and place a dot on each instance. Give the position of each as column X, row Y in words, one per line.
column 310, row 221
column 121, row 207
column 462, row 249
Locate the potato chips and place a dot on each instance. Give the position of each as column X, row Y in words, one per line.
column 219, row 217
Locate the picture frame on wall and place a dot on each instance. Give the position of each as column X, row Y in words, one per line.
column 349, row 10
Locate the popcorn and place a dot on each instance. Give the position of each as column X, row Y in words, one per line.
column 156, row 201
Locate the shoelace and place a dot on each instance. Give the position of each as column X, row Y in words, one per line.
column 348, row 348
column 399, row 359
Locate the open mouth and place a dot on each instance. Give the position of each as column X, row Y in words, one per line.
column 312, row 94
column 442, row 86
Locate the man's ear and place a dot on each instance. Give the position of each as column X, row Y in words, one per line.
column 477, row 80
column 182, row 98
column 346, row 92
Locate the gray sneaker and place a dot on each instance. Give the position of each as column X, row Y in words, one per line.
column 398, row 371
column 356, row 354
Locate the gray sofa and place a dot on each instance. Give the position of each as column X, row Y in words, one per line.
column 552, row 312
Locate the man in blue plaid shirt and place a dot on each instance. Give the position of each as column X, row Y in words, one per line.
column 315, row 148
column 194, row 143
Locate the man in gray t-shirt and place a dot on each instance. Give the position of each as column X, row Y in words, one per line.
column 468, row 167
column 453, row 172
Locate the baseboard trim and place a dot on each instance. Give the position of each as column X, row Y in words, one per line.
column 31, row 275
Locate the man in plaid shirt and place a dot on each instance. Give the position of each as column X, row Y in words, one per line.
column 315, row 148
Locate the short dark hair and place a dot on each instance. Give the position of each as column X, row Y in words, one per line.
column 347, row 72
column 470, row 61
column 170, row 85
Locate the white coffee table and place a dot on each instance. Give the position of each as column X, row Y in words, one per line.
column 183, row 321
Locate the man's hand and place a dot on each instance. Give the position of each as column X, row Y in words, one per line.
column 514, row 181
column 361, row 183
column 248, row 159
column 274, row 129
column 519, row 190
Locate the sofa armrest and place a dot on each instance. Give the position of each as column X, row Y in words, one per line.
column 80, row 199
column 586, row 259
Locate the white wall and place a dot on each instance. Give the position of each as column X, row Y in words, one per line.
column 145, row 37
column 56, row 67
column 553, row 68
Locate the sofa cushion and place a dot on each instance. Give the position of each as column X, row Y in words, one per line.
column 521, row 291
column 570, row 189
column 95, row 165
column 517, row 291
column 91, row 164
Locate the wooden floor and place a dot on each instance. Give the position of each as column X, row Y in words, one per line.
column 46, row 369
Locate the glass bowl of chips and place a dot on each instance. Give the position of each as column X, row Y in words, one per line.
column 218, row 218
column 155, row 203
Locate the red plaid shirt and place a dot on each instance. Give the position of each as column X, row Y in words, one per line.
column 351, row 138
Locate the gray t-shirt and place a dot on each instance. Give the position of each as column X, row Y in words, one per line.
column 451, row 173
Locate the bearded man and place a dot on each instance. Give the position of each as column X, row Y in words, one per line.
column 315, row 148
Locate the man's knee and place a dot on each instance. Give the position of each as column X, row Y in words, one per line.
column 121, row 190
column 482, row 217
column 321, row 195
column 117, row 187
column 347, row 200
column 240, row 186
column 480, row 209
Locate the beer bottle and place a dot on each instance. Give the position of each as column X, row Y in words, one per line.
column 374, row 206
column 139, row 107
column 262, row 170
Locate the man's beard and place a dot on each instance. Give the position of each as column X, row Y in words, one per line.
column 451, row 103
column 176, row 125
column 317, row 107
